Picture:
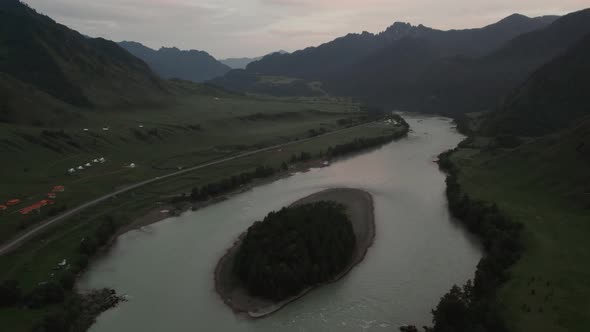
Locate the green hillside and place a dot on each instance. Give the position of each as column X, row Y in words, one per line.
column 545, row 185
column 80, row 71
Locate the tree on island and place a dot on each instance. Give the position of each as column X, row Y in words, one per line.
column 295, row 248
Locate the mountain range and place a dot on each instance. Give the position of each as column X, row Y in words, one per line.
column 196, row 66
column 317, row 62
column 417, row 68
column 241, row 63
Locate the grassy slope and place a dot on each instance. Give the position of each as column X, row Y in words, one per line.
column 546, row 186
column 31, row 170
column 23, row 103
column 50, row 58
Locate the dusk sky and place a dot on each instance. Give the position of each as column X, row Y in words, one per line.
column 236, row 28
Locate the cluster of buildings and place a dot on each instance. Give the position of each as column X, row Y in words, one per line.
column 34, row 207
column 73, row 170
column 9, row 203
column 44, row 202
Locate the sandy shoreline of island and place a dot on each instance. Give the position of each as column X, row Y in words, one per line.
column 360, row 210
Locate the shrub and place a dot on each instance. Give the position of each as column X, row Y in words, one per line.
column 10, row 293
column 45, row 293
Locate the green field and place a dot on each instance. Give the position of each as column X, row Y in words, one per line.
column 545, row 185
column 194, row 130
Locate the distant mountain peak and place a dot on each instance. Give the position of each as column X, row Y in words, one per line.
column 516, row 20
column 399, row 27
column 515, row 16
column 172, row 62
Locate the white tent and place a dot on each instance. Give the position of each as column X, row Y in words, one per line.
column 88, row 165
column 71, row 170
column 80, row 167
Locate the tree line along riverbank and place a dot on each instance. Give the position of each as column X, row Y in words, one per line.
column 473, row 306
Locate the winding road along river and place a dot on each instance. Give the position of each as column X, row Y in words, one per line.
column 166, row 269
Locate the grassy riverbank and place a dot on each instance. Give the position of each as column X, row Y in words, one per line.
column 544, row 186
column 36, row 261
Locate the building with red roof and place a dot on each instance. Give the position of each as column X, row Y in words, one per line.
column 3, row 207
column 37, row 206
column 26, row 210
column 58, row 189
column 13, row 202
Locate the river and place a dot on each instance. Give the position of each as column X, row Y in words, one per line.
column 166, row 269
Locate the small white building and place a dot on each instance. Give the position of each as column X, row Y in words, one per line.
column 85, row 129
column 80, row 168
column 71, row 170
column 140, row 126
column 132, row 165
column 105, row 129
column 88, row 165
column 101, row 160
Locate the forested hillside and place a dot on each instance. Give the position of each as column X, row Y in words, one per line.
column 463, row 84
column 554, row 97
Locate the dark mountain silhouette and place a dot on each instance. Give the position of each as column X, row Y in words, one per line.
column 554, row 97
column 196, row 66
column 241, row 63
column 465, row 84
column 53, row 61
column 319, row 62
column 421, row 69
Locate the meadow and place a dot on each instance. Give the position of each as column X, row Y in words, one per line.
column 543, row 185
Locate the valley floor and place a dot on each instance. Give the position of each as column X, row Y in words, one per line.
column 202, row 129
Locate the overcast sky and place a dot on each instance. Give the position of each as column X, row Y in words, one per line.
column 236, row 28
